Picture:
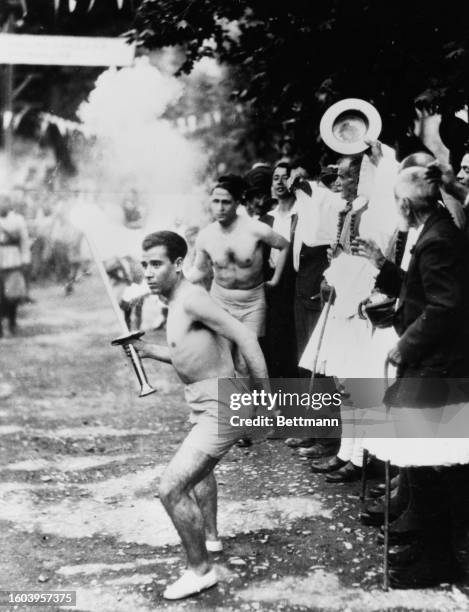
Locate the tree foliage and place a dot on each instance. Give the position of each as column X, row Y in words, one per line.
column 293, row 59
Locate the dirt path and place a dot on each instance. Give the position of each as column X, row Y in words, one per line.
column 80, row 457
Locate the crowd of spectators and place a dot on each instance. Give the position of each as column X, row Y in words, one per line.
column 344, row 245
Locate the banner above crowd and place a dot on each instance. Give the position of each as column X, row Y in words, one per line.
column 65, row 50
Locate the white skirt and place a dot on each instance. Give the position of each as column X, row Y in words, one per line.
column 345, row 348
column 415, row 452
column 418, row 436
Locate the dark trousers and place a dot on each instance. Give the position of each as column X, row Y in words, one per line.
column 280, row 339
column 313, row 262
column 8, row 307
column 8, row 310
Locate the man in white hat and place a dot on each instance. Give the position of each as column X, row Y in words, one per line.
column 345, row 348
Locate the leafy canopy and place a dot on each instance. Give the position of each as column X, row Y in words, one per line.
column 292, row 59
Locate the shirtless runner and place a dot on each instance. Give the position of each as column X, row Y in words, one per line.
column 199, row 334
column 233, row 247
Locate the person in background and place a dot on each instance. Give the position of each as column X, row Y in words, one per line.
column 366, row 183
column 287, row 148
column 432, row 321
column 23, row 207
column 455, row 186
column 232, row 249
column 280, row 341
column 14, row 256
column 133, row 210
column 41, row 229
column 126, row 274
column 316, row 231
column 257, row 195
column 317, row 209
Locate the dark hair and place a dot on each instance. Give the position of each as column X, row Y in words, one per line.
column 328, row 175
column 175, row 244
column 312, row 167
column 258, row 181
column 283, row 164
column 232, row 183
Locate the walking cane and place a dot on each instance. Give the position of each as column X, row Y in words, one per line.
column 366, row 454
column 387, row 499
column 327, row 308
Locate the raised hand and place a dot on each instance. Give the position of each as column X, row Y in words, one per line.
column 376, row 151
column 368, row 249
column 440, row 173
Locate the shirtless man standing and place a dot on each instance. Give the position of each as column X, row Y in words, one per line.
column 199, row 334
column 233, row 246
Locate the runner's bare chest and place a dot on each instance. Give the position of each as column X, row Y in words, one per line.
column 234, row 250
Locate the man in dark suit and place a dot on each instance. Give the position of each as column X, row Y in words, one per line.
column 432, row 320
column 280, row 340
column 433, row 293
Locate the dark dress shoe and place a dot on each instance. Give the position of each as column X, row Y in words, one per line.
column 373, row 515
column 398, row 539
column 410, row 524
column 376, row 491
column 374, row 519
column 330, row 465
column 427, row 562
column 347, row 473
column 380, row 489
column 317, row 451
column 404, row 554
column 404, row 529
column 244, row 442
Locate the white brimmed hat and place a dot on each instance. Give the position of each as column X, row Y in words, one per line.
column 348, row 123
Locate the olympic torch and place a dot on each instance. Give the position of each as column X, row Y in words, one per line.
column 127, row 336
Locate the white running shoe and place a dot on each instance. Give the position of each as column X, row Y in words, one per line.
column 190, row 583
column 214, row 546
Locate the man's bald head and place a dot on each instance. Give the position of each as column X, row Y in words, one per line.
column 421, row 159
column 415, row 195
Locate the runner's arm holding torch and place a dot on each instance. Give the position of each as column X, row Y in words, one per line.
column 148, row 350
column 204, row 310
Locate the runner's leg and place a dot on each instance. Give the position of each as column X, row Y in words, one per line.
column 206, row 497
column 187, row 468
